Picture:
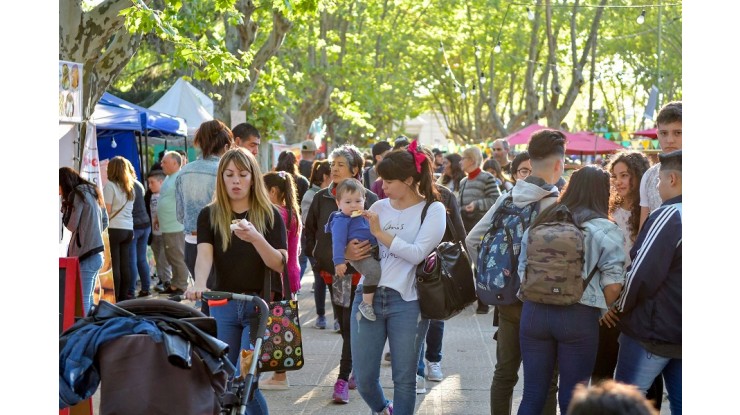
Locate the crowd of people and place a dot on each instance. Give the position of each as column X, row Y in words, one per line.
column 370, row 224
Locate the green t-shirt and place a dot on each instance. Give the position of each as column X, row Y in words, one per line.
column 167, row 206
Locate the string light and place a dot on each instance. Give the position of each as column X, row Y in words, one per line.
column 530, row 14
column 477, row 51
column 113, row 143
column 482, row 78
column 497, row 48
column 641, row 17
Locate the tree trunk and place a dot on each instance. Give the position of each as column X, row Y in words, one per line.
column 98, row 40
column 235, row 96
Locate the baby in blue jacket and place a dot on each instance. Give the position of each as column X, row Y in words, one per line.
column 347, row 224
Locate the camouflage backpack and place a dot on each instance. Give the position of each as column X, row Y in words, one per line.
column 555, row 258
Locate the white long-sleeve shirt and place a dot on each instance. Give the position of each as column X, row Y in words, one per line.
column 412, row 243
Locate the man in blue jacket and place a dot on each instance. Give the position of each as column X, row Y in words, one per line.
column 650, row 304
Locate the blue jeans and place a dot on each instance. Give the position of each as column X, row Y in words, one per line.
column 234, row 320
column 303, row 262
column 434, row 345
column 639, row 367
column 550, row 334
column 138, row 264
column 303, row 258
column 400, row 322
column 89, row 268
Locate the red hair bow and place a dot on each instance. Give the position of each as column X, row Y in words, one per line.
column 419, row 156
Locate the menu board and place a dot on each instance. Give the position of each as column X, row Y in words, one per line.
column 70, row 91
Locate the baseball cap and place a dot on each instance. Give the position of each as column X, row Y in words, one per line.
column 436, row 151
column 308, row 145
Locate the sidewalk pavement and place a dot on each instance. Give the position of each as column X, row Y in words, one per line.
column 469, row 355
column 468, row 358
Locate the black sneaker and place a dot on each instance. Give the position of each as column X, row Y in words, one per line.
column 173, row 291
column 143, row 294
column 162, row 286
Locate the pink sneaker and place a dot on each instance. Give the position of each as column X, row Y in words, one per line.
column 352, row 382
column 388, row 410
column 341, row 391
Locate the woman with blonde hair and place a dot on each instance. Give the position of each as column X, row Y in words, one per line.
column 241, row 257
column 118, row 194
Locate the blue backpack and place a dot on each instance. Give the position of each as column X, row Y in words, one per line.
column 496, row 276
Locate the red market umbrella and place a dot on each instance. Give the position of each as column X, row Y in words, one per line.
column 586, row 142
column 522, row 136
column 652, row 133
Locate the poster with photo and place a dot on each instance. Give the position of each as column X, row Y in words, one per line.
column 70, row 91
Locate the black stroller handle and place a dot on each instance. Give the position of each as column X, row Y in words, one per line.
column 217, row 298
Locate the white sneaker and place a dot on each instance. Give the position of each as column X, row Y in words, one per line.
column 434, row 371
column 421, row 385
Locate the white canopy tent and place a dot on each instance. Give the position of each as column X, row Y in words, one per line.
column 186, row 101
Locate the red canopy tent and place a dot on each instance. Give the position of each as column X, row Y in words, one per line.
column 586, row 142
column 522, row 136
column 652, row 133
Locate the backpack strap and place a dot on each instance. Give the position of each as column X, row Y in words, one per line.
column 590, row 275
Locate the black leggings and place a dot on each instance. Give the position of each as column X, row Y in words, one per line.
column 343, row 315
column 120, row 244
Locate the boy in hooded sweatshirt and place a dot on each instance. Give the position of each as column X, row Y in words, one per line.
column 547, row 152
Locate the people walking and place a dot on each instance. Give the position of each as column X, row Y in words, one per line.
column 346, row 162
column 404, row 240
column 258, row 245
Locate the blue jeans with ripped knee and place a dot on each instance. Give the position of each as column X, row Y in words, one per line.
column 400, row 322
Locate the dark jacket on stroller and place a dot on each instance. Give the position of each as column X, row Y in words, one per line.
column 152, row 356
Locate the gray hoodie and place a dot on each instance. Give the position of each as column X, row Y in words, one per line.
column 525, row 192
column 87, row 222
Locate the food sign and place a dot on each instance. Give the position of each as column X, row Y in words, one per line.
column 70, row 91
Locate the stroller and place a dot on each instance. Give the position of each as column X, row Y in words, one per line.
column 154, row 357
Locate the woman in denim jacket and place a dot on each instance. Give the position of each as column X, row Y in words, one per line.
column 569, row 334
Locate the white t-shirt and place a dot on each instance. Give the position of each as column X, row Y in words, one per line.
column 649, row 196
column 622, row 218
column 114, row 195
column 411, row 243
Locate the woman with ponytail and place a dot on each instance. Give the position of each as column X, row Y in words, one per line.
column 408, row 225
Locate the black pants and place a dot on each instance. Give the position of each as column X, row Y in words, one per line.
column 606, row 362
column 120, row 244
column 343, row 315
